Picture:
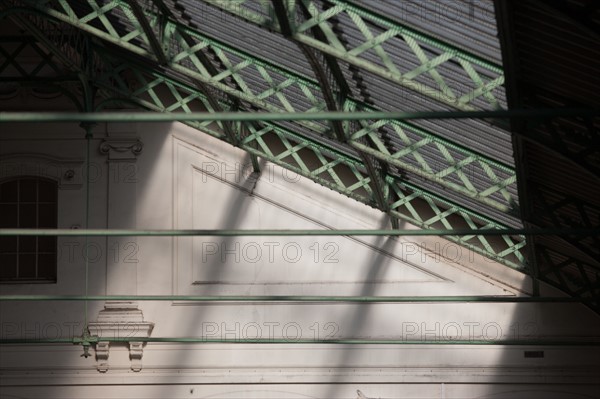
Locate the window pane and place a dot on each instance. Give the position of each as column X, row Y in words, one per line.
column 27, row 188
column 8, row 215
column 26, row 266
column 8, row 191
column 47, row 244
column 47, row 266
column 26, row 244
column 8, row 244
column 47, row 215
column 8, row 266
column 47, row 191
column 27, row 216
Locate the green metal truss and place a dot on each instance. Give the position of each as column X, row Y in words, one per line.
column 327, row 166
column 9, row 55
column 554, row 208
column 58, row 70
column 330, row 168
column 377, row 31
column 576, row 277
column 126, row 82
column 569, row 261
column 335, row 90
column 281, row 89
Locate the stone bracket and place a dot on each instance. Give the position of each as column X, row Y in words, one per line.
column 136, row 351
column 102, row 349
column 120, row 320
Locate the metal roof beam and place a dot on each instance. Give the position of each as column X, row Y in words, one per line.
column 155, row 43
column 161, row 21
column 497, row 177
column 334, row 103
column 569, row 262
column 386, row 67
column 47, row 57
column 50, row 55
column 571, row 275
column 326, row 173
column 504, row 12
column 550, row 136
column 555, row 208
column 410, row 204
column 136, row 83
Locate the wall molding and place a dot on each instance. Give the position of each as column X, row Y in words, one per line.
column 121, row 148
column 67, row 172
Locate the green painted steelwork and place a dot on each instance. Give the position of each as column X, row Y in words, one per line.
column 335, row 90
column 286, row 116
column 115, row 82
column 187, row 46
column 292, row 298
column 11, row 48
column 297, row 233
column 119, row 77
column 574, row 276
column 385, row 66
column 153, row 40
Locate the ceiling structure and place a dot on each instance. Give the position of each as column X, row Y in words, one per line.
column 551, row 54
column 332, row 55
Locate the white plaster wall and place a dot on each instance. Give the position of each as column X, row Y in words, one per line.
column 183, row 179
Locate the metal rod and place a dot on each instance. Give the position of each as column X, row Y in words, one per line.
column 286, row 116
column 88, row 139
column 298, row 233
column 299, row 298
column 537, row 342
column 87, row 126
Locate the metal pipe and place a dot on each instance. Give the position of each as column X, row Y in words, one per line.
column 93, row 340
column 298, row 298
column 298, row 233
column 287, row 116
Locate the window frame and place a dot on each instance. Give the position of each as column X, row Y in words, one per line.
column 51, row 247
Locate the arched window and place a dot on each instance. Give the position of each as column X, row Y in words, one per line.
column 28, row 202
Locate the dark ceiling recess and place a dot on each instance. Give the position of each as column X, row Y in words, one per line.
column 551, row 53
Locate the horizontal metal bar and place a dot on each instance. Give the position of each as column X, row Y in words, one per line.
column 288, row 116
column 293, row 298
column 297, row 233
column 93, row 340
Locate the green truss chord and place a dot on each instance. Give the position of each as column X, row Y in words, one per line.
column 330, row 166
column 377, row 31
column 277, row 88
